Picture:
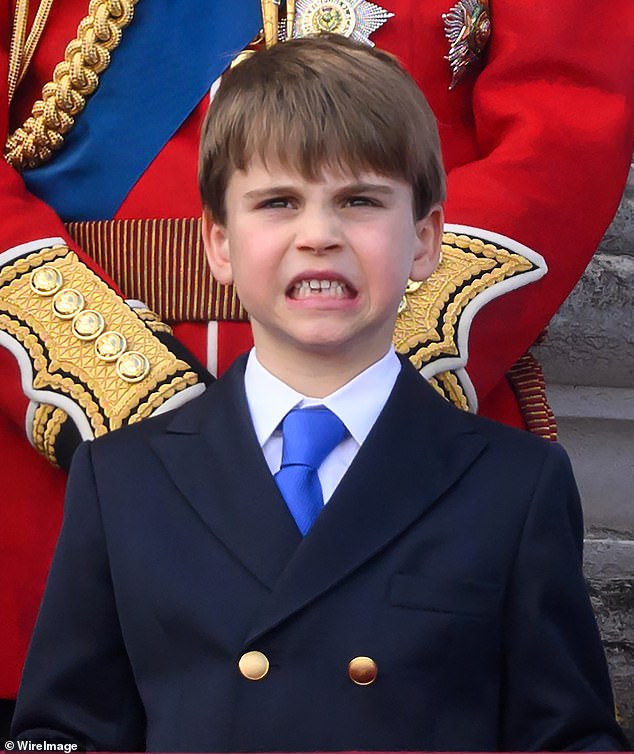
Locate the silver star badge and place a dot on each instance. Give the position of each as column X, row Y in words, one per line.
column 356, row 19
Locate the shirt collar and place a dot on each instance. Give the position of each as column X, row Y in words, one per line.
column 358, row 403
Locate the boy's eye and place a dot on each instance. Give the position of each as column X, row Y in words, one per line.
column 277, row 202
column 361, row 201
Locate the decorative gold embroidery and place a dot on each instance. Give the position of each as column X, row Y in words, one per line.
column 448, row 385
column 68, row 365
column 74, row 80
column 47, row 424
column 426, row 328
column 157, row 398
column 153, row 321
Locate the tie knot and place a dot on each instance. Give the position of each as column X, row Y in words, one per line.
column 309, row 435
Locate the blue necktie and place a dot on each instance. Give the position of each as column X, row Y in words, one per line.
column 309, row 435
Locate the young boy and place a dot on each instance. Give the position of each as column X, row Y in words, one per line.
column 320, row 553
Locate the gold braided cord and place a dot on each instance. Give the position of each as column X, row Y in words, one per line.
column 74, row 80
column 39, row 22
column 16, row 51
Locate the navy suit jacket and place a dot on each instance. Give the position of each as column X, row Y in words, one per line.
column 449, row 553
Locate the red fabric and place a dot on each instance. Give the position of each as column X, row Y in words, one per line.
column 537, row 147
column 234, row 338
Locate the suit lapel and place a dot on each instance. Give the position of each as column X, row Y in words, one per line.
column 213, row 457
column 419, row 446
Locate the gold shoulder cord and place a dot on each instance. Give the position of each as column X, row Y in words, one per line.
column 21, row 52
column 74, row 79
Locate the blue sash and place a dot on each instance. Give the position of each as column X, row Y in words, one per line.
column 170, row 55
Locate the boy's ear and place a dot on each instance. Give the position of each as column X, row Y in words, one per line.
column 429, row 238
column 216, row 245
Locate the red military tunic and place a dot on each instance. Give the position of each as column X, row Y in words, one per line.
column 525, row 136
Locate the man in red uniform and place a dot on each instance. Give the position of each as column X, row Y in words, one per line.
column 539, row 111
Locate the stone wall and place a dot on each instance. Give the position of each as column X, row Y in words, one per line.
column 588, row 360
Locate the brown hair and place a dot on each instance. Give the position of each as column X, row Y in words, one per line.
column 317, row 102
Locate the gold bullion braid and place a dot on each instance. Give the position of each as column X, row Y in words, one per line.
column 153, row 321
column 74, row 80
column 448, row 385
column 47, row 425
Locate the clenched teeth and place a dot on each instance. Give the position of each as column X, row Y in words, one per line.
column 331, row 288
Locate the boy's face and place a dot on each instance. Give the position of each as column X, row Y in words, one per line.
column 321, row 265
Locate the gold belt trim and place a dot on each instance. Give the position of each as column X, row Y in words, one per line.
column 162, row 263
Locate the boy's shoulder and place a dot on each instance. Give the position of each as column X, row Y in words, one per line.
column 446, row 416
column 514, row 450
column 497, row 457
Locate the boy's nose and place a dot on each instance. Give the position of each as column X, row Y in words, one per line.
column 318, row 231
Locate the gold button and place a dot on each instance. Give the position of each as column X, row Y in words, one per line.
column 363, row 671
column 110, row 345
column 46, row 280
column 132, row 366
column 254, row 665
column 67, row 303
column 88, row 325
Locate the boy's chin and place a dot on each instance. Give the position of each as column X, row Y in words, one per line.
column 339, row 348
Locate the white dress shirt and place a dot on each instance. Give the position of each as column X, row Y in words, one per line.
column 358, row 404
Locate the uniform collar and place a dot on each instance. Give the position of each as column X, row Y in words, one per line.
column 358, row 403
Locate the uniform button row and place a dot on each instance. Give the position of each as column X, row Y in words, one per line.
column 255, row 666
column 89, row 325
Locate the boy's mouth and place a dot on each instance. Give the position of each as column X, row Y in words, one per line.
column 327, row 288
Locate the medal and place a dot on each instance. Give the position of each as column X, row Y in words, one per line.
column 468, row 28
column 356, row 19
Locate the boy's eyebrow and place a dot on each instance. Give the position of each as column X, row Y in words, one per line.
column 349, row 188
column 268, row 190
column 362, row 188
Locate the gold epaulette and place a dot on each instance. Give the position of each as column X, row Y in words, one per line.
column 90, row 356
column 432, row 327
